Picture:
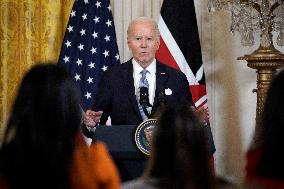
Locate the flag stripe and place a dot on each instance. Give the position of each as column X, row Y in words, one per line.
column 175, row 51
column 164, row 55
column 199, row 96
column 180, row 17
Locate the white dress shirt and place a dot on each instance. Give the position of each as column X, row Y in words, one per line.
column 151, row 78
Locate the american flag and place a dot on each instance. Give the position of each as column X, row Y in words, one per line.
column 89, row 47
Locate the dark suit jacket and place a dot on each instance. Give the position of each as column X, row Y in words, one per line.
column 116, row 92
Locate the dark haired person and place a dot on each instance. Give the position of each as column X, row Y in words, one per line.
column 179, row 156
column 43, row 146
column 265, row 161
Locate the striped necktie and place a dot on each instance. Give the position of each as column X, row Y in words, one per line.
column 142, row 83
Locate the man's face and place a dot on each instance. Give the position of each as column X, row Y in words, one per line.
column 143, row 42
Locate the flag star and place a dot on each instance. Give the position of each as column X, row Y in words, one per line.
column 106, row 53
column 117, row 56
column 68, row 43
column 83, row 32
column 81, row 47
column 108, row 23
column 96, row 19
column 90, row 80
column 109, row 7
column 66, row 59
column 107, row 38
column 95, row 35
column 98, row 4
column 91, row 65
column 88, row 95
column 93, row 50
column 79, row 62
column 73, row 13
column 77, row 77
column 84, row 16
column 86, row 1
column 70, row 28
column 104, row 68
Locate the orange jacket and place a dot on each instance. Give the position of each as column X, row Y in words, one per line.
column 91, row 168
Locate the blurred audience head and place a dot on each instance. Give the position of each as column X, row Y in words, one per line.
column 271, row 162
column 39, row 138
column 180, row 157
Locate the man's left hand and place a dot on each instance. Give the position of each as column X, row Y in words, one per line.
column 203, row 114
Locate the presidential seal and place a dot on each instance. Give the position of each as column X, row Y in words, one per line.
column 143, row 135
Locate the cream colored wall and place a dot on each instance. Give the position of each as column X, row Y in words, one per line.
column 229, row 85
column 229, row 81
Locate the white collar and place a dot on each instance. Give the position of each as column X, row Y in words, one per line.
column 137, row 68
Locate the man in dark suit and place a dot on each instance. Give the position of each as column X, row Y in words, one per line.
column 118, row 91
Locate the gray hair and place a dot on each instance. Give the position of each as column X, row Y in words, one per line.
column 143, row 19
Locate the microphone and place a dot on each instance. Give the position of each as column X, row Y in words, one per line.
column 144, row 97
column 160, row 106
column 144, row 100
column 161, row 98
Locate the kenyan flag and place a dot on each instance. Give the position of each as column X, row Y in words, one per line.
column 180, row 45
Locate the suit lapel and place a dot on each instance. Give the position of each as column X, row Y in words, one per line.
column 129, row 86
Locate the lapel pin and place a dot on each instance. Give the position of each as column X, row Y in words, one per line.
column 168, row 91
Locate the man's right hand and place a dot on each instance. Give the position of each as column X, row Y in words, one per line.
column 92, row 118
